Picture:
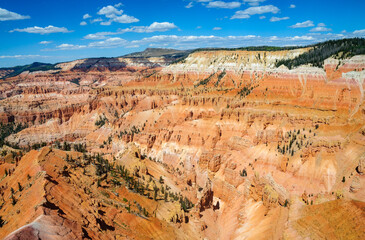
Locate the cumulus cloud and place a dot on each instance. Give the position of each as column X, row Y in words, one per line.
column 83, row 23
column 43, row 30
column 305, row 24
column 109, row 11
column 86, row 16
column 221, row 4
column 45, row 42
column 292, row 6
column 277, row 19
column 321, row 27
column 125, row 19
column 261, row 10
column 160, row 27
column 255, row 10
column 6, row 15
column 115, row 15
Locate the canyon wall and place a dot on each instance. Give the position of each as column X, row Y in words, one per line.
column 262, row 152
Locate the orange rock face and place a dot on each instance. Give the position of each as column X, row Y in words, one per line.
column 220, row 146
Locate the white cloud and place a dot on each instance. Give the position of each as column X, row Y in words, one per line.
column 66, row 46
column 109, row 43
column 224, row 4
column 42, row 30
column 114, row 15
column 96, row 20
column 45, row 42
column 108, row 23
column 274, row 38
column 154, row 27
column 21, row 56
column 118, row 5
column 305, row 38
column 99, row 35
column 254, row 2
column 109, row 11
column 190, row 5
column 261, row 10
column 6, row 15
column 195, row 41
column 240, row 15
column 83, row 23
column 190, row 42
column 132, row 46
column 262, row 17
column 321, row 27
column 86, row 16
column 292, row 6
column 221, row 4
column 359, row 32
column 160, row 27
column 255, row 10
column 277, row 19
column 305, row 24
column 125, row 19
column 217, row 28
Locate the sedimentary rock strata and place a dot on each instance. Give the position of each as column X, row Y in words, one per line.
column 223, row 145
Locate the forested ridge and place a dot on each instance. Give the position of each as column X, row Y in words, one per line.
column 341, row 49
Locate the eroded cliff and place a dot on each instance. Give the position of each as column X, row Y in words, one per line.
column 221, row 145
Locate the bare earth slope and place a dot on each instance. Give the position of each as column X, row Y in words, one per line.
column 222, row 145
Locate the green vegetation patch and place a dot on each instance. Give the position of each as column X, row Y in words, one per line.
column 6, row 129
column 344, row 48
column 36, row 66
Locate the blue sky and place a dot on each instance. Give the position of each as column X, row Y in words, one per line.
column 56, row 31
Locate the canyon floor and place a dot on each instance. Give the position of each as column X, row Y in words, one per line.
column 221, row 145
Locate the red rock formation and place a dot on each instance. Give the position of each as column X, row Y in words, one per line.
column 197, row 126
